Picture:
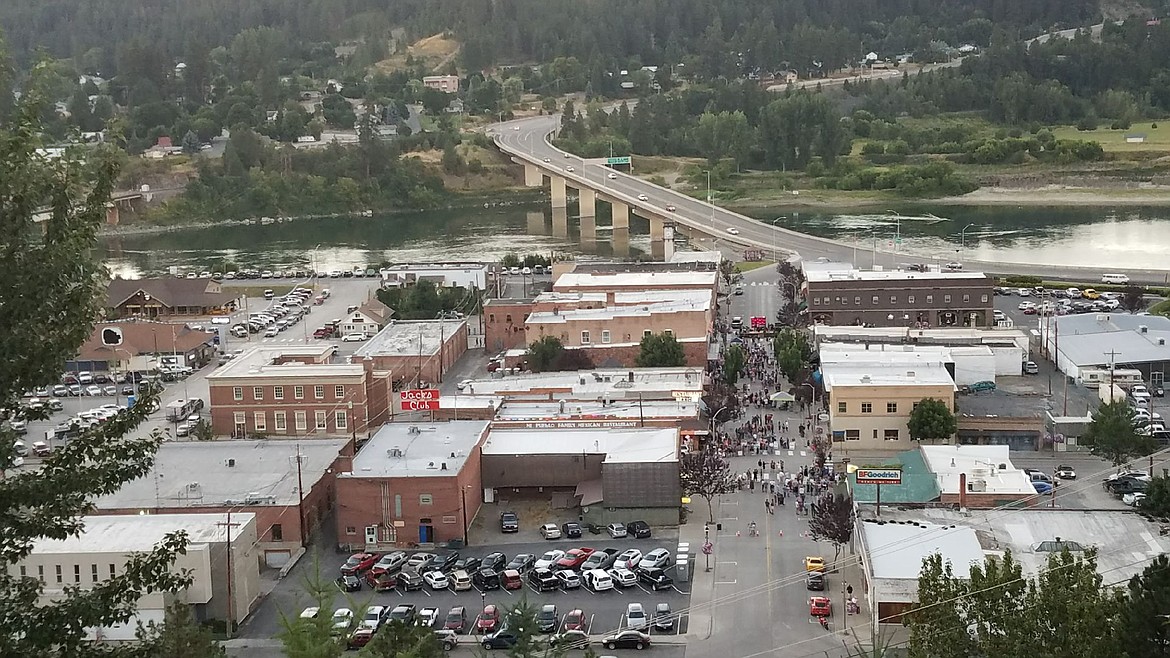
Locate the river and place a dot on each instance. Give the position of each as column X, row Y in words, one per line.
column 1101, row 237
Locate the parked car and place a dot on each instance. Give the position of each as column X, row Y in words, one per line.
column 509, row 522
column 616, row 530
column 819, row 606
column 571, row 530
column 630, row 639
column 1042, row 487
column 445, row 561
column 638, row 529
column 488, row 620
column 522, row 562
column 436, row 580
column 510, row 579
column 359, row 562
column 420, row 561
column 568, row 578
column 460, row 580
column 629, row 558
column 1065, row 472
column 494, row 561
column 549, row 559
column 598, row 580
column 486, row 579
column 655, row 578
column 542, row 580
column 814, row 563
column 550, row 531
column 574, row 558
column 548, row 618
column 570, row 639
column 576, row 621
column 341, row 621
column 658, row 557
column 404, row 612
column 1030, row 368
column 503, row 638
column 602, row 559
column 427, row 617
column 663, row 617
column 352, row 338
column 408, row 581
column 623, row 577
column 467, row 564
column 381, row 581
column 456, row 619
column 447, row 639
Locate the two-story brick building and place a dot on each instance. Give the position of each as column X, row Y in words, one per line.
column 839, row 294
column 412, row 484
column 415, row 351
column 297, row 391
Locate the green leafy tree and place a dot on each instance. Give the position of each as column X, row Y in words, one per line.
column 793, row 353
column 1113, row 434
column 728, row 272
column 660, row 351
column 50, row 299
column 543, row 353
column 1144, row 617
column 398, row 640
column 707, row 475
column 936, row 623
column 733, row 363
column 180, row 636
column 931, row 420
column 190, row 143
column 1157, row 500
column 832, row 520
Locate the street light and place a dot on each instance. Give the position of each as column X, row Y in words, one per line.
column 963, row 236
column 775, row 253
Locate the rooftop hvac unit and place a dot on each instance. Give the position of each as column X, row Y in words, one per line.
column 394, row 452
column 231, row 463
column 413, row 429
column 192, row 486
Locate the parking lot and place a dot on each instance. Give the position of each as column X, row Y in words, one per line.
column 605, row 611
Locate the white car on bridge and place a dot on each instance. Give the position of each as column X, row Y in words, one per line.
column 732, row 230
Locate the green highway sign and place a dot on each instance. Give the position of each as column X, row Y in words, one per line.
column 620, row 160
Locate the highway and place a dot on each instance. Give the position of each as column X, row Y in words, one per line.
column 526, row 140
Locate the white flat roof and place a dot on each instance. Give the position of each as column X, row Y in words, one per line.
column 417, row 450
column 825, row 275
column 715, row 257
column 979, row 463
column 524, row 410
column 403, row 338
column 640, row 280
column 133, row 533
column 413, row 267
column 552, row 297
column 612, row 312
column 618, row 445
column 928, row 372
column 592, row 384
column 896, row 550
column 853, row 354
column 196, row 474
column 985, row 335
column 257, row 362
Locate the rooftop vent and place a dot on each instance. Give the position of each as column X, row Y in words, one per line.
column 865, row 379
column 231, row 463
column 1143, row 329
column 394, row 452
column 443, row 466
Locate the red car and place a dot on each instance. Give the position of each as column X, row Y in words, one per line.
column 574, row 558
column 819, row 606
column 359, row 562
column 488, row 620
column 576, row 621
column 360, row 638
column 380, row 581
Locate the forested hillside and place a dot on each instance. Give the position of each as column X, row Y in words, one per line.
column 726, row 34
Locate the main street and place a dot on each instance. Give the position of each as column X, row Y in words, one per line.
column 527, row 141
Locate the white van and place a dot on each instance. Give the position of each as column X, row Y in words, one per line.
column 598, row 580
column 1120, row 279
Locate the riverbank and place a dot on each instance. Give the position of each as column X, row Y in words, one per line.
column 1051, row 195
column 502, row 198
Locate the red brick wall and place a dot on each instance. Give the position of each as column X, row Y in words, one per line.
column 696, row 354
column 406, row 367
column 224, row 407
column 504, row 326
column 989, row 501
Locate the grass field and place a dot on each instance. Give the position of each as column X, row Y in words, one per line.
column 749, row 265
column 1157, row 139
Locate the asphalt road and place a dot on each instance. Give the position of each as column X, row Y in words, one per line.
column 526, row 141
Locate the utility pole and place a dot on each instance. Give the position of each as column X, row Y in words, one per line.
column 300, row 497
column 230, row 601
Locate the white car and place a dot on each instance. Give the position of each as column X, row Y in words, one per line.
column 550, row 531
column 732, row 230
column 611, row 176
column 353, row 338
column 636, row 617
column 953, row 266
column 549, row 559
column 527, row 271
column 463, row 385
column 1133, row 499
column 271, row 332
column 598, row 580
column 436, row 580
column 658, row 557
column 569, row 168
column 427, row 617
column 516, row 128
column 623, row 577
column 310, row 613
column 546, row 159
column 373, row 618
column 342, row 620
column 628, row 558
column 616, row 530
column 643, row 197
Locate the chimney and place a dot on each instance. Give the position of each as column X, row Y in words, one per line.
column 962, row 492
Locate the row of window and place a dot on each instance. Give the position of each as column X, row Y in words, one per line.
column 867, row 407
column 423, row 499
column 606, row 338
column 60, row 573
column 280, row 420
column 298, row 392
column 888, row 435
column 910, row 299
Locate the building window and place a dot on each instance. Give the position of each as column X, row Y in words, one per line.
column 238, row 393
column 426, row 499
column 350, row 530
column 966, row 299
column 985, row 299
column 508, row 318
column 92, row 572
column 827, row 301
column 646, row 332
column 867, row 407
column 584, row 337
column 340, row 420
column 339, row 391
column 299, row 392
column 946, row 299
column 910, row 299
column 930, row 299
column 875, row 300
column 852, row 435
column 41, row 572
column 77, row 573
column 302, row 424
column 914, row 406
column 112, row 570
column 857, row 301
column 893, row 299
column 278, row 422
column 891, row 407
column 891, row 435
column 319, row 392
column 278, row 392
column 816, row 301
column 322, row 420
column 605, row 336
column 491, row 318
column 257, row 392
column 260, row 419
column 842, row 407
column 875, row 434
column 239, row 418
column 23, row 571
column 277, row 532
column 60, row 579
column 398, row 506
column 668, row 332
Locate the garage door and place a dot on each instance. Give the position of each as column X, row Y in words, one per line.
column 276, row 559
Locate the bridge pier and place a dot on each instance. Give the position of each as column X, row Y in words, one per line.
column 559, row 196
column 620, row 214
column 588, row 232
column 668, row 241
column 587, row 202
column 560, row 220
column 535, row 222
column 532, row 176
column 621, row 242
column 657, row 229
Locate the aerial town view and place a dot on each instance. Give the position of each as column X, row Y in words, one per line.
column 711, row 329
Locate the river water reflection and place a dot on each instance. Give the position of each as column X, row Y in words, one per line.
column 1098, row 237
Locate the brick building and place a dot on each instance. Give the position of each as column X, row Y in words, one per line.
column 412, row 484
column 504, row 323
column 296, row 391
column 415, row 351
column 446, row 83
column 261, row 477
column 839, row 294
